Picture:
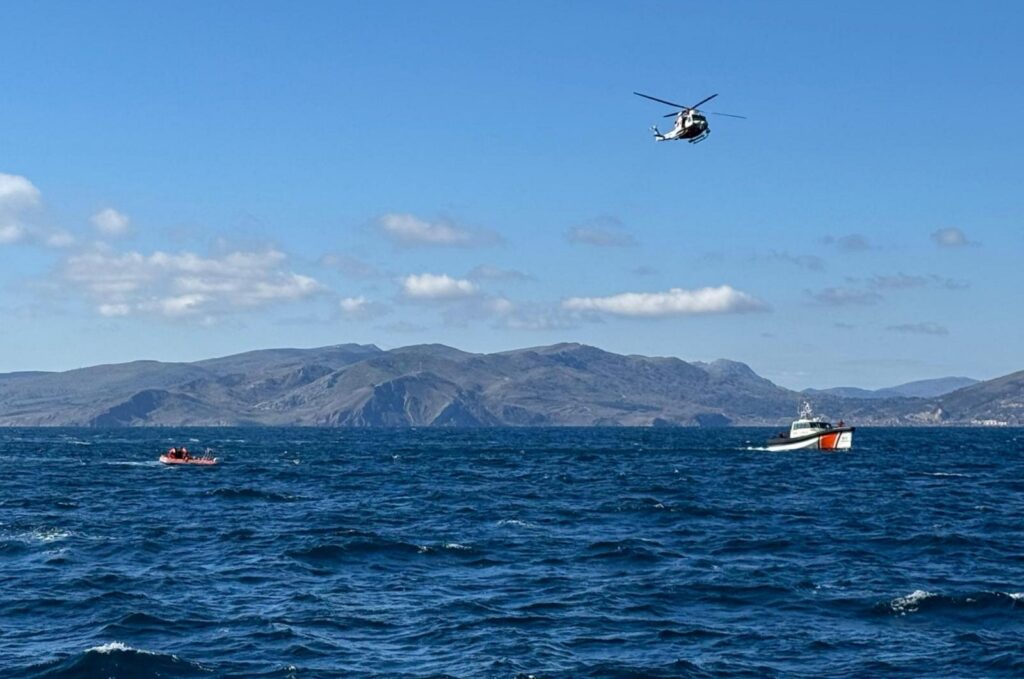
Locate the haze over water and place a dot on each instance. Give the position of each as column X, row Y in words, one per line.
column 505, row 553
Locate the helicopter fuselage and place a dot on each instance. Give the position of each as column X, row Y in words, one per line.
column 690, row 126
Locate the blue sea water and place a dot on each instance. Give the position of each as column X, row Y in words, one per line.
column 510, row 553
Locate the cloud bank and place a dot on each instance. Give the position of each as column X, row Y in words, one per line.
column 408, row 230
column 176, row 285
column 428, row 286
column 17, row 194
column 110, row 222
column 674, row 302
column 360, row 308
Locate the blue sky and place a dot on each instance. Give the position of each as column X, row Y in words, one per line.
column 197, row 179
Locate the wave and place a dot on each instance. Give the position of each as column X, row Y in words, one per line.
column 457, row 547
column 517, row 523
column 630, row 549
column 137, row 621
column 337, row 531
column 342, row 565
column 371, row 546
column 327, row 553
column 251, row 494
column 679, row 668
column 131, row 463
column 41, row 535
column 693, row 633
column 116, row 659
column 635, row 504
column 976, row 603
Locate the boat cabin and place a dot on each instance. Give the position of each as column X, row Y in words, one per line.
column 804, row 427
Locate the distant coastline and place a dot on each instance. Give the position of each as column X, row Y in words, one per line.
column 352, row 385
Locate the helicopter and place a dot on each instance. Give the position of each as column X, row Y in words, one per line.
column 691, row 124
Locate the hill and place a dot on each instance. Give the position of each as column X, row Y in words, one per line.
column 932, row 388
column 436, row 385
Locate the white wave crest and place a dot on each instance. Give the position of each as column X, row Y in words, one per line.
column 44, row 535
column 911, row 602
column 515, row 522
column 116, row 646
column 456, row 546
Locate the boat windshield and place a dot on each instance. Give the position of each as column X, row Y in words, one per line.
column 811, row 425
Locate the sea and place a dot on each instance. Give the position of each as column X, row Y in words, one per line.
column 511, row 553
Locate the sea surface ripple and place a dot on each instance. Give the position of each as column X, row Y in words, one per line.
column 510, row 553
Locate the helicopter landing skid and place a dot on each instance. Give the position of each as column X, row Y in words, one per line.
column 701, row 137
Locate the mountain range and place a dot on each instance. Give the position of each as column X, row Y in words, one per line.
column 350, row 385
column 933, row 388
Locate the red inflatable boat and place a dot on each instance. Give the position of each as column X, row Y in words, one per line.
column 167, row 459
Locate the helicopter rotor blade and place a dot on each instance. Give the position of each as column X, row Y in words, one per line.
column 702, row 101
column 671, row 115
column 728, row 115
column 662, row 101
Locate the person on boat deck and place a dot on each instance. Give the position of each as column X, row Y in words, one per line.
column 172, row 453
column 183, row 453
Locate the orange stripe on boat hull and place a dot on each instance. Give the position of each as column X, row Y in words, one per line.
column 828, row 441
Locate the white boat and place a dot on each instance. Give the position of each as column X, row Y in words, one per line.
column 812, row 432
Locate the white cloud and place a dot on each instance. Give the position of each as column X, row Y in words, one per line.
column 437, row 286
column 601, row 232
column 177, row 305
column 11, row 233
column 411, row 231
column 677, row 301
column 951, row 237
column 477, row 307
column 500, row 306
column 184, row 284
column 59, row 239
column 17, row 193
column 114, row 310
column 527, row 316
column 352, row 305
column 360, row 308
column 110, row 222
